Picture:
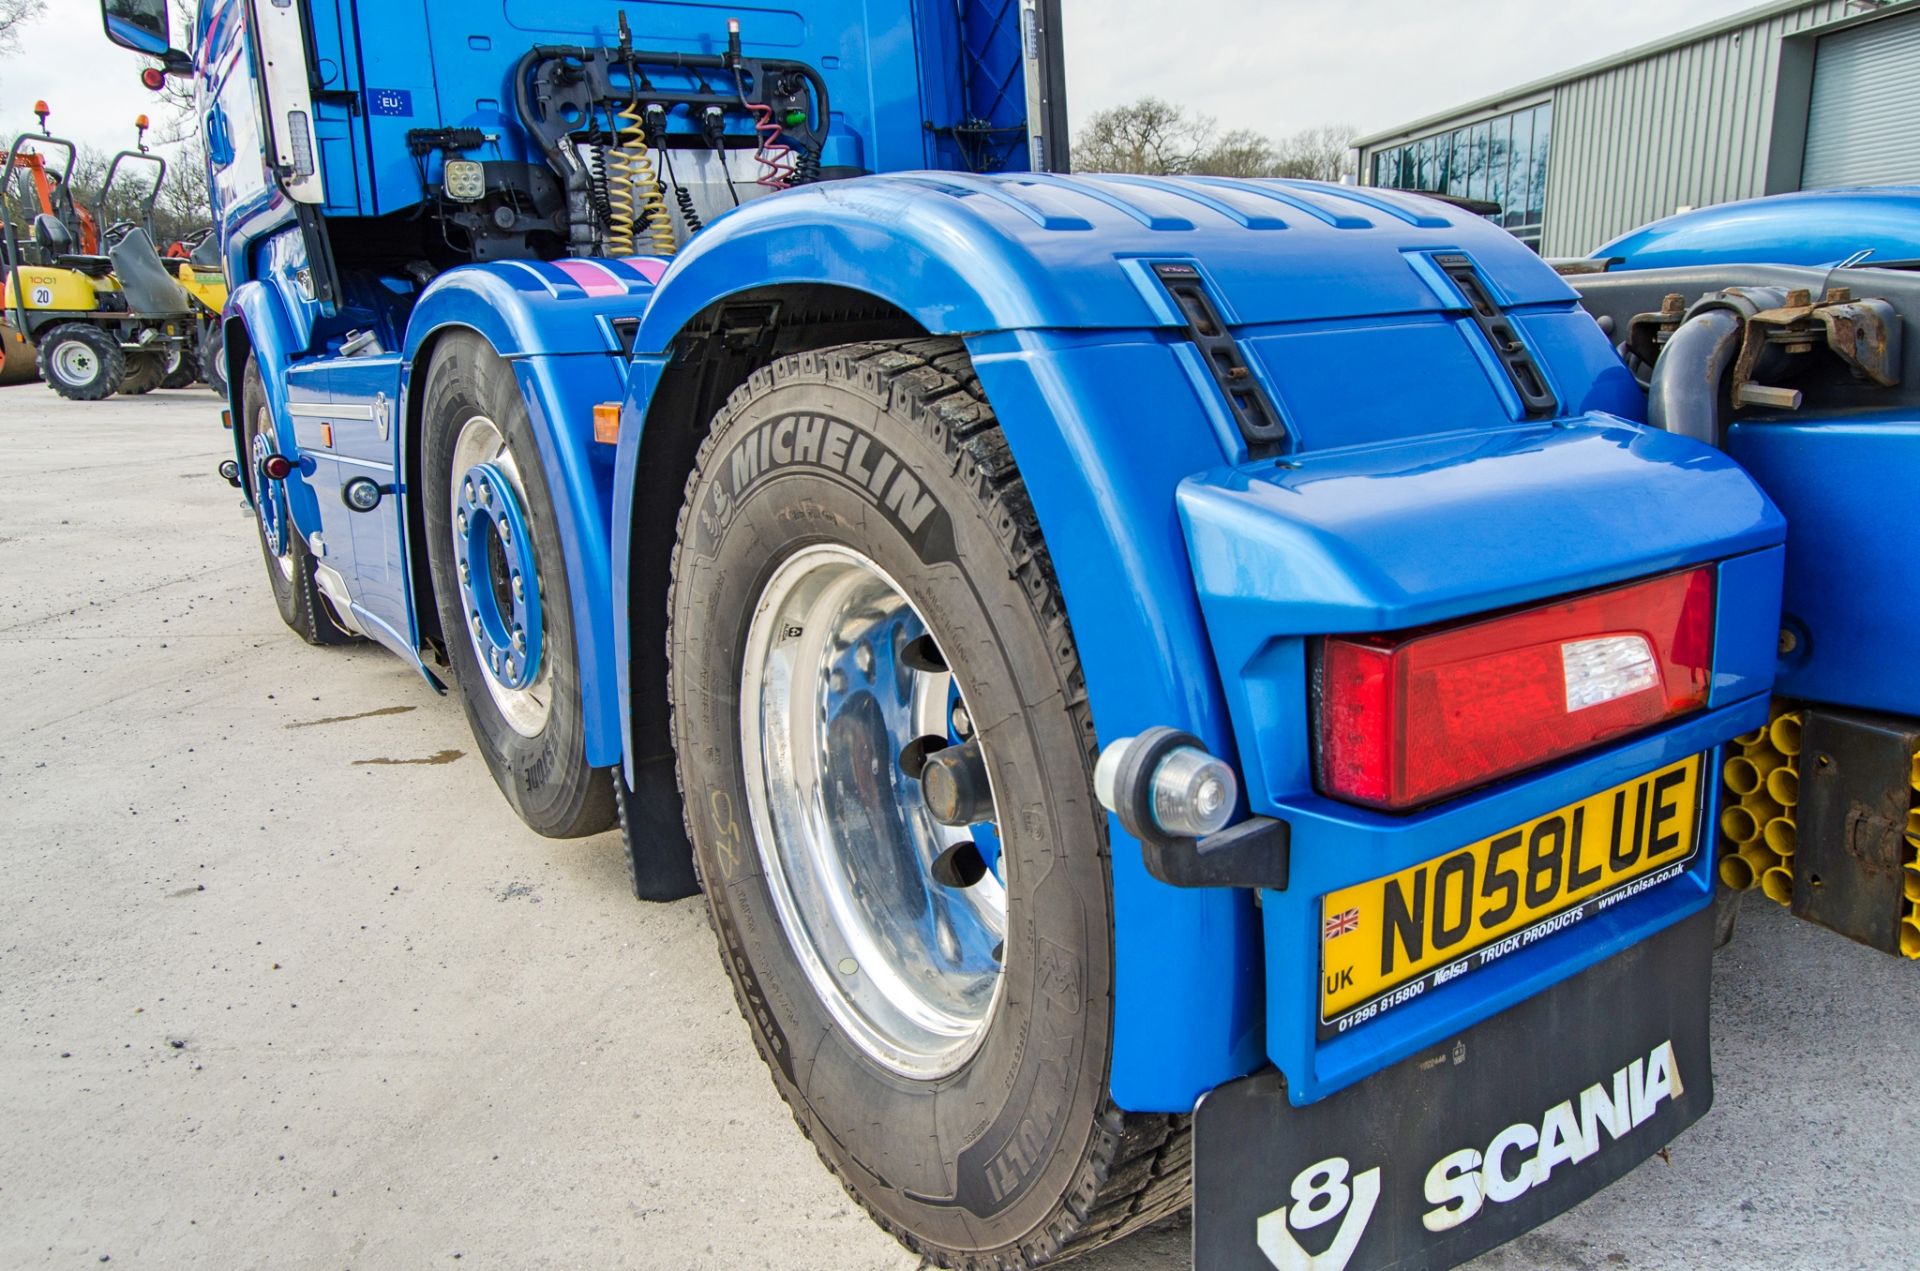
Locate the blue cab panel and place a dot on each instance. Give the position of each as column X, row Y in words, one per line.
column 1847, row 487
column 1811, row 227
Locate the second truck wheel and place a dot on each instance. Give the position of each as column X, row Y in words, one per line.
column 501, row 586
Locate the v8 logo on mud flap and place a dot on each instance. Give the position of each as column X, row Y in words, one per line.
column 823, row 445
column 1321, row 1193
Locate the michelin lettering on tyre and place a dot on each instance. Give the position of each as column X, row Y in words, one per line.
column 1460, row 1183
column 824, row 444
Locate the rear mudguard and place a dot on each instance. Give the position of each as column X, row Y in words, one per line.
column 1119, row 427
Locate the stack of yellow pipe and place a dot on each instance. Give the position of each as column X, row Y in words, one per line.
column 1910, row 875
column 1762, row 778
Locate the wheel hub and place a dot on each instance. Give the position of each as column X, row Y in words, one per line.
column 902, row 949
column 269, row 504
column 74, row 363
column 495, row 558
column 499, row 576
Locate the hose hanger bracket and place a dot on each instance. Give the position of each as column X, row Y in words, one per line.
column 598, row 115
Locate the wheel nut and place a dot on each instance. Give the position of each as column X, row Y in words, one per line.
column 506, row 533
column 486, row 493
column 519, row 640
column 466, row 575
column 461, row 522
column 954, row 783
column 962, row 722
column 519, row 588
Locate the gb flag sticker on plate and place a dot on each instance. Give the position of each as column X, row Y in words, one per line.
column 1388, row 940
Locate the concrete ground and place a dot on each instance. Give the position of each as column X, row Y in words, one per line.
column 285, row 984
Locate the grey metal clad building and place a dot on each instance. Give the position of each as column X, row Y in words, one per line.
column 1798, row 94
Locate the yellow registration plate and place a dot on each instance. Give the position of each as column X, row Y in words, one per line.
column 1387, row 941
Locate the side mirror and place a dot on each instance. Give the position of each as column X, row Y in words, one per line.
column 144, row 26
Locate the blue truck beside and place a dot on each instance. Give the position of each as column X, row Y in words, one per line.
column 1774, row 329
column 1173, row 690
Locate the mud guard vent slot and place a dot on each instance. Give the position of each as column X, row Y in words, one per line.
column 1535, row 397
column 1259, row 420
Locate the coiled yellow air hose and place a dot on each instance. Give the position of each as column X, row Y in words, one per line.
column 634, row 195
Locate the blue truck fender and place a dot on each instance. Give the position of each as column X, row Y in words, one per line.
column 555, row 323
column 256, row 322
column 1107, row 407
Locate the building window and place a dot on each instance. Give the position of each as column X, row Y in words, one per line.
column 1502, row 160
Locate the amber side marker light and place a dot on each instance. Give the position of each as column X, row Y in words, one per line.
column 1410, row 717
column 606, row 423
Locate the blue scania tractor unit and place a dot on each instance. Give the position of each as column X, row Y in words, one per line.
column 1173, row 690
column 1774, row 329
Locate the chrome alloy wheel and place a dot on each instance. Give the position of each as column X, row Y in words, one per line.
column 499, row 581
column 270, row 499
column 908, row 967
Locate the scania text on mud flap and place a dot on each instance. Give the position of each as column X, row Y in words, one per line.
column 1102, row 644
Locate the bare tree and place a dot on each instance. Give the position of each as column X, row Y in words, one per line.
column 1240, row 153
column 1148, row 136
column 183, row 206
column 15, row 14
column 180, row 118
column 1316, row 154
column 1159, row 138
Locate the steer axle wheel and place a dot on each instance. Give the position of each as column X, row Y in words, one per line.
column 500, row 585
column 290, row 563
column 887, row 758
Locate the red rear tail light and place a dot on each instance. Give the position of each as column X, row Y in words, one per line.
column 1407, row 717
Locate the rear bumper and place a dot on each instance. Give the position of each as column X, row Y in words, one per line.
column 1335, row 845
column 1389, row 538
column 1482, row 1135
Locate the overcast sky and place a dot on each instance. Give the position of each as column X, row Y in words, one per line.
column 1272, row 65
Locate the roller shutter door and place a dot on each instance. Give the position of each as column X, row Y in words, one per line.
column 1863, row 126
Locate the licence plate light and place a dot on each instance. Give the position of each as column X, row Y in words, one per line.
column 1407, row 718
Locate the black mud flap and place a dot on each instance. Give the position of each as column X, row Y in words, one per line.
column 1466, row 1145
